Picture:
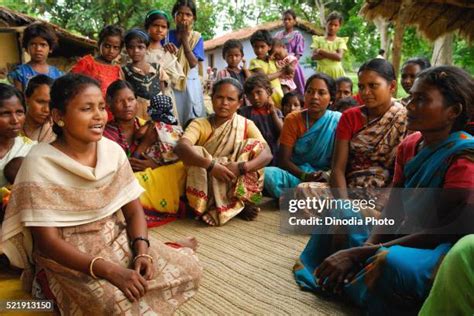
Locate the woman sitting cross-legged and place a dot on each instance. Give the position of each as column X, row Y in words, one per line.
column 63, row 216
column 225, row 154
column 164, row 185
column 307, row 139
column 392, row 271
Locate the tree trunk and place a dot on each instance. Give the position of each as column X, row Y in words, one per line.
column 443, row 50
column 397, row 45
column 382, row 26
column 398, row 37
column 320, row 4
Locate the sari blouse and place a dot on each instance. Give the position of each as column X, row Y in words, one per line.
column 458, row 175
column 372, row 146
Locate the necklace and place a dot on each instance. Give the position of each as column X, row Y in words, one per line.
column 123, row 139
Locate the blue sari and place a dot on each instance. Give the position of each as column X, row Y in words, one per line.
column 312, row 152
column 396, row 279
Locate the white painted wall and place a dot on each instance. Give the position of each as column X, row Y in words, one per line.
column 220, row 63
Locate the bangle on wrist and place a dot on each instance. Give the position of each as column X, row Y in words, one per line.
column 211, row 165
column 139, row 238
column 143, row 255
column 241, row 166
column 303, row 176
column 91, row 267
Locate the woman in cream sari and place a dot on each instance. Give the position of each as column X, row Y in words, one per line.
column 225, row 154
column 66, row 199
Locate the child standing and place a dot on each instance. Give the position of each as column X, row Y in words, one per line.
column 157, row 24
column 328, row 50
column 279, row 53
column 39, row 40
column 147, row 79
column 233, row 53
column 188, row 46
column 294, row 42
column 291, row 102
column 263, row 113
column 102, row 67
column 261, row 42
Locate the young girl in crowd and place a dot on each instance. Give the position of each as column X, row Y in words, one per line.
column 344, row 88
column 294, row 42
column 157, row 24
column 188, row 46
column 307, row 139
column 279, row 53
column 291, row 102
column 12, row 118
column 148, row 80
column 39, row 40
column 393, row 273
column 103, row 67
column 83, row 249
column 224, row 154
column 38, row 125
column 409, row 71
column 262, row 43
column 328, row 50
column 262, row 112
column 233, row 53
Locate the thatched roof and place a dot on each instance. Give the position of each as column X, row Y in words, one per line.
column 245, row 33
column 433, row 18
column 69, row 44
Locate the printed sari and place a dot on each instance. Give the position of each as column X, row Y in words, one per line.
column 396, row 279
column 53, row 190
column 371, row 160
column 161, row 199
column 312, row 152
column 224, row 200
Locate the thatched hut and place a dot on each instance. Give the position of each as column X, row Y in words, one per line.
column 433, row 18
column 12, row 25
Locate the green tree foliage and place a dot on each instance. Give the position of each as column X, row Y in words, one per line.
column 414, row 45
column 88, row 17
column 464, row 55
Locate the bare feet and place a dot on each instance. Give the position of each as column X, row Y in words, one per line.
column 206, row 218
column 188, row 242
column 249, row 213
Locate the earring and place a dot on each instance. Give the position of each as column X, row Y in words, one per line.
column 60, row 123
